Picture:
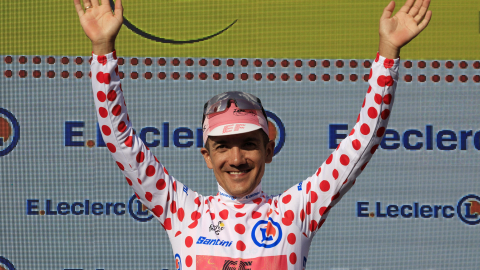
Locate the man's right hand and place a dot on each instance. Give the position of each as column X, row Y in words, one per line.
column 100, row 24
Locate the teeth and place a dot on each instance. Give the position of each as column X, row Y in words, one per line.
column 237, row 172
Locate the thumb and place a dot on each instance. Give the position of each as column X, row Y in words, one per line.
column 388, row 11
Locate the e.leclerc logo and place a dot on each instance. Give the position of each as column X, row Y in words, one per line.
column 467, row 210
column 182, row 137
column 133, row 207
column 267, row 234
column 178, row 262
column 9, row 132
column 5, row 264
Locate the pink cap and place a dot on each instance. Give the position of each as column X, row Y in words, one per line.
column 233, row 121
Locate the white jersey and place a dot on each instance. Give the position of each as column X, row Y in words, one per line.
column 257, row 231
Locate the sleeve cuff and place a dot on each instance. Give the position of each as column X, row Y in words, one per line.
column 103, row 59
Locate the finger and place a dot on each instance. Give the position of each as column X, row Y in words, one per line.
column 423, row 10
column 95, row 3
column 425, row 21
column 407, row 6
column 118, row 9
column 414, row 10
column 79, row 8
column 87, row 3
column 388, row 11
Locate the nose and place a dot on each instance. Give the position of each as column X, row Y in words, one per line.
column 237, row 156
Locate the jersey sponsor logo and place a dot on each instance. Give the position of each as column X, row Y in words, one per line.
column 267, row 234
column 213, row 242
column 299, row 186
column 232, row 127
column 208, row 262
column 252, row 195
column 9, row 132
column 182, row 137
column 232, row 265
column 467, row 210
column 416, row 139
column 134, row 207
column 217, row 228
column 227, row 195
column 178, row 262
column 5, row 264
column 240, row 112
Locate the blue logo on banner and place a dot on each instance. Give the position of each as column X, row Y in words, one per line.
column 280, row 129
column 6, row 263
column 138, row 211
column 468, row 209
column 9, row 132
column 267, row 234
column 178, row 262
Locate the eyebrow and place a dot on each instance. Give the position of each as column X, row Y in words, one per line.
column 248, row 139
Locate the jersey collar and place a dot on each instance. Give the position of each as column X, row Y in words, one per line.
column 225, row 197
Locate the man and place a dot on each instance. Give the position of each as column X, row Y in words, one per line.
column 242, row 227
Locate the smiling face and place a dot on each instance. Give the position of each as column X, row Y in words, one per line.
column 238, row 161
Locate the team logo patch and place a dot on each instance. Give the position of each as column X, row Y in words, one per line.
column 178, row 262
column 237, row 265
column 217, row 228
column 267, row 234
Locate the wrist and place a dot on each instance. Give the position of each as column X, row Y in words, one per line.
column 389, row 51
column 102, row 48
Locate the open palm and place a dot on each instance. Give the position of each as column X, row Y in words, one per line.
column 98, row 21
column 409, row 21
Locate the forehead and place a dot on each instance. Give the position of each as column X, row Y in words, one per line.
column 255, row 135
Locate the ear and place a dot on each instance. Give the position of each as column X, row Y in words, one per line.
column 206, row 156
column 269, row 151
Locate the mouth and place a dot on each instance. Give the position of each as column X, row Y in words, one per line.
column 239, row 173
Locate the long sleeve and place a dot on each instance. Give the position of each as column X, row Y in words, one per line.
column 308, row 203
column 170, row 201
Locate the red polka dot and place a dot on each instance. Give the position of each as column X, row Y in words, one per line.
column 378, row 57
column 257, row 201
column 387, row 98
column 112, row 95
column 197, row 201
column 324, row 186
column 329, row 159
column 380, row 132
column 120, row 166
column 256, row 214
column 322, row 210
column 308, row 208
column 358, row 118
column 384, row 81
column 212, row 215
column 102, row 59
column 334, row 197
column 174, row 184
column 111, row 147
column 372, row 112
column 161, row 184
column 195, row 215
column 241, row 246
column 313, row 225
column 302, row 215
column 365, row 129
column 100, row 77
column 293, row 258
column 139, row 181
column 289, row 216
column 363, row 104
column 378, row 98
column 157, row 210
column 165, row 170
column 313, row 196
column 240, row 229
column 129, row 141
column 344, row 160
column 223, row 214
column 240, row 214
column 106, row 78
column 129, row 181
column 239, row 206
column 319, row 171
column 106, row 130
column 369, row 89
column 101, row 96
column 188, row 241
column 287, row 199
column 140, row 157
column 309, row 186
column 374, row 148
column 356, row 145
column 385, row 114
column 353, row 131
column 193, row 225
column 188, row 261
column 148, row 196
column 370, row 75
column 122, row 127
column 117, row 109
column 173, row 207
column 291, row 239
column 178, row 233
column 335, row 174
column 102, row 111
column 321, row 223
column 180, row 214
column 388, row 63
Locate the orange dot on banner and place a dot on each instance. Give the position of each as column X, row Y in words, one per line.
column 41, row 212
column 241, row 246
column 188, row 261
column 89, row 143
column 293, row 258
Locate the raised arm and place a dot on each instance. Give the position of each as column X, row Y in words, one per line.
column 315, row 196
column 170, row 201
